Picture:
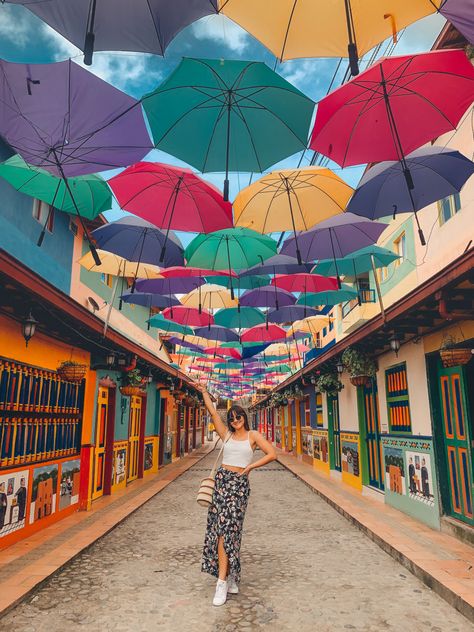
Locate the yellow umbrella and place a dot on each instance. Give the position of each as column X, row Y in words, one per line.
column 311, row 325
column 325, row 28
column 209, row 296
column 291, row 199
column 117, row 266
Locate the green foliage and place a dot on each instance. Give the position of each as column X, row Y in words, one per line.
column 132, row 378
column 67, row 363
column 329, row 383
column 357, row 362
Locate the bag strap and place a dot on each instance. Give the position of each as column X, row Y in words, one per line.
column 214, row 468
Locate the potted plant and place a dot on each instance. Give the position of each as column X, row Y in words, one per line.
column 132, row 383
column 452, row 354
column 72, row 371
column 329, row 383
column 360, row 366
column 298, row 392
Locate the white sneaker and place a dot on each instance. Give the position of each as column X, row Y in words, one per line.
column 221, row 593
column 232, row 586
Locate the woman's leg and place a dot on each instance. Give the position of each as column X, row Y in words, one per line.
column 223, row 559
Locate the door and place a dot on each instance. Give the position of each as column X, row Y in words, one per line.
column 161, row 452
column 372, row 435
column 100, row 442
column 134, row 437
column 334, row 432
column 457, row 434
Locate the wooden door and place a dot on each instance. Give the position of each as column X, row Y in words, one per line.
column 134, row 437
column 334, row 432
column 162, row 432
column 458, row 435
column 372, row 435
column 100, row 442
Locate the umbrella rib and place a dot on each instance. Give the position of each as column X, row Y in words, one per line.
column 242, row 117
column 216, row 123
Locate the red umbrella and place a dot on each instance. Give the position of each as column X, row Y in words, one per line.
column 171, row 198
column 183, row 271
column 394, row 107
column 263, row 333
column 188, row 316
column 303, row 282
column 223, row 351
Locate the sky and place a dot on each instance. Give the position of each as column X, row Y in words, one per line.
column 25, row 38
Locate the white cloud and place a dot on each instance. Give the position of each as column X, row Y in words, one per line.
column 15, row 26
column 221, row 30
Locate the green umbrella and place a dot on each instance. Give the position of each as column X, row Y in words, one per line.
column 162, row 323
column 281, row 368
column 92, row 196
column 241, row 283
column 239, row 317
column 220, row 115
column 237, row 345
column 330, row 297
column 357, row 262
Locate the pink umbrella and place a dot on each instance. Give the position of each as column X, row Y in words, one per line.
column 223, row 352
column 183, row 271
column 188, row 316
column 264, row 333
column 304, row 282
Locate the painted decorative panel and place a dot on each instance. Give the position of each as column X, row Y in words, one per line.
column 321, row 450
column 13, row 499
column 410, row 473
column 119, row 465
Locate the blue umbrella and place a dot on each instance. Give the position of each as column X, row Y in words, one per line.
column 278, row 264
column 291, row 313
column 170, row 285
column 436, row 172
column 267, row 296
column 216, row 332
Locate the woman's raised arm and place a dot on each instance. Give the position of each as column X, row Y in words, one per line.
column 220, row 426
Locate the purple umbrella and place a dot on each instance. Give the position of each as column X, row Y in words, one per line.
column 145, row 26
column 137, row 240
column 184, row 343
column 267, row 296
column 278, row 264
column 437, row 172
column 149, row 300
column 334, row 238
column 170, row 285
column 291, row 313
column 460, row 14
column 216, row 332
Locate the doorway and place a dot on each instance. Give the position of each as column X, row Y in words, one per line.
column 372, row 435
column 134, row 437
column 334, row 432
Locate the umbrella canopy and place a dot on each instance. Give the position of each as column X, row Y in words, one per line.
column 290, row 313
column 182, row 342
column 262, row 333
column 304, row 282
column 137, row 240
column 118, row 266
column 209, row 296
column 171, row 285
column 335, row 237
column 171, row 197
column 459, row 13
column 331, row 297
column 248, row 116
column 311, row 325
column 357, row 262
column 147, row 299
column 239, row 318
column 186, row 271
column 394, row 107
column 267, row 296
column 216, row 332
column 291, row 199
column 168, row 326
column 328, row 29
column 278, row 264
column 436, row 173
column 240, row 282
column 145, row 26
column 188, row 316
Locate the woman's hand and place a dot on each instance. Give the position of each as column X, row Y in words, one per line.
column 247, row 471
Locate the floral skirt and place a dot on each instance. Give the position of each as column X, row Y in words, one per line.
column 225, row 519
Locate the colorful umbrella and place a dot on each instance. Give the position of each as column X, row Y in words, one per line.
column 185, row 271
column 357, row 262
column 247, row 116
column 311, row 325
column 459, row 13
column 236, row 318
column 171, row 197
column 170, row 285
column 168, row 326
column 267, row 296
column 188, row 316
column 331, row 297
column 118, row 266
column 278, row 264
column 436, row 172
column 216, row 332
column 304, row 282
column 262, row 333
column 290, row 314
column 240, row 282
column 147, row 299
column 145, row 26
column 209, row 296
column 291, row 199
column 325, row 29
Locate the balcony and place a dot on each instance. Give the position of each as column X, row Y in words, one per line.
column 356, row 312
column 318, row 350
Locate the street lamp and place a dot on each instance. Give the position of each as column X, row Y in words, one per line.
column 395, row 344
column 150, row 377
column 28, row 328
column 339, row 367
column 110, row 358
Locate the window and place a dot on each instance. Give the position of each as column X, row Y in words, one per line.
column 331, row 324
column 107, row 279
column 448, row 207
column 398, row 404
column 319, row 410
column 307, row 411
column 44, row 214
column 399, row 246
column 325, row 332
column 383, row 274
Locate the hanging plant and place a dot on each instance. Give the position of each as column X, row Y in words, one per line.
column 329, row 383
column 359, row 364
column 452, row 354
column 72, row 371
column 132, row 383
column 298, row 392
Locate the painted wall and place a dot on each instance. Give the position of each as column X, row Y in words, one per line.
column 348, row 406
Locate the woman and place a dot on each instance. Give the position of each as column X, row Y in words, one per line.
column 221, row 555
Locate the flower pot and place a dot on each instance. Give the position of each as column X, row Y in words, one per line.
column 72, row 372
column 455, row 356
column 130, row 391
column 359, row 380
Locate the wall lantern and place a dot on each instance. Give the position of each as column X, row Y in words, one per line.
column 110, row 359
column 339, row 367
column 28, row 328
column 395, row 344
column 150, row 377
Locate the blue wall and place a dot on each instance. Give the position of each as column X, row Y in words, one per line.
column 19, row 232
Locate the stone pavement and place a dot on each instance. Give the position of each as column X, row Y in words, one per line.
column 304, row 567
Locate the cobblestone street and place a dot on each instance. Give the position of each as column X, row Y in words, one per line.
column 304, row 567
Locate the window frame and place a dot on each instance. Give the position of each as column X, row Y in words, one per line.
column 400, row 397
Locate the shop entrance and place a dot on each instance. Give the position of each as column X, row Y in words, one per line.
column 134, row 437
column 100, row 442
column 334, row 433
column 372, row 435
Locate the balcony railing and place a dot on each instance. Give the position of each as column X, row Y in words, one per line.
column 365, row 296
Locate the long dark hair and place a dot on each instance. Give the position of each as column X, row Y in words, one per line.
column 239, row 412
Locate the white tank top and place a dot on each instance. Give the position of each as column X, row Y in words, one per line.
column 237, row 453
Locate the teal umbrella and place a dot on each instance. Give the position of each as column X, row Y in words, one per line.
column 169, row 326
column 220, row 115
column 239, row 317
column 237, row 345
column 241, row 282
column 330, row 297
column 231, row 249
column 358, row 262
column 91, row 194
column 281, row 368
